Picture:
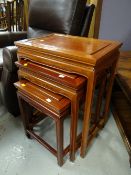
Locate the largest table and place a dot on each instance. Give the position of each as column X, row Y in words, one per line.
column 84, row 56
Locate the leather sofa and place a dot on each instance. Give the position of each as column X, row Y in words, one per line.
column 45, row 16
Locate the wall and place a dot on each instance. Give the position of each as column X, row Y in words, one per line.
column 116, row 21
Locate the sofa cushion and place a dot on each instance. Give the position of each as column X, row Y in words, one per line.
column 35, row 32
column 61, row 16
column 9, row 58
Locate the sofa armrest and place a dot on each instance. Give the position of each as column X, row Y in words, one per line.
column 9, row 58
column 9, row 76
column 8, row 38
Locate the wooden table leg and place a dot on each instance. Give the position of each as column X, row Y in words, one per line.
column 87, row 112
column 99, row 99
column 26, row 114
column 88, row 104
column 59, row 135
column 109, row 89
column 73, row 130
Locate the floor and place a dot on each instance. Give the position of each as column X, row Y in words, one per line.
column 21, row 156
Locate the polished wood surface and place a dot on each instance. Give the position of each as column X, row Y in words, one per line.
column 75, row 49
column 54, row 106
column 74, row 94
column 54, row 101
column 71, row 86
column 82, row 56
column 70, row 80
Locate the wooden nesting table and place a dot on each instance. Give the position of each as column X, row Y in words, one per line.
column 91, row 58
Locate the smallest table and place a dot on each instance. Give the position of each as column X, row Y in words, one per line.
column 49, row 104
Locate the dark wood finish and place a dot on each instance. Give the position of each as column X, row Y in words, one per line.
column 100, row 98
column 56, row 103
column 19, row 18
column 10, row 15
column 15, row 15
column 71, row 80
column 82, row 56
column 55, row 106
column 36, row 76
column 121, row 99
column 49, row 78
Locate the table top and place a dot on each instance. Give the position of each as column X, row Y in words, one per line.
column 43, row 97
column 78, row 49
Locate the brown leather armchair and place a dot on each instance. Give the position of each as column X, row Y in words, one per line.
column 45, row 17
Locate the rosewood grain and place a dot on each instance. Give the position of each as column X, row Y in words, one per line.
column 70, row 85
column 83, row 56
column 55, row 106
